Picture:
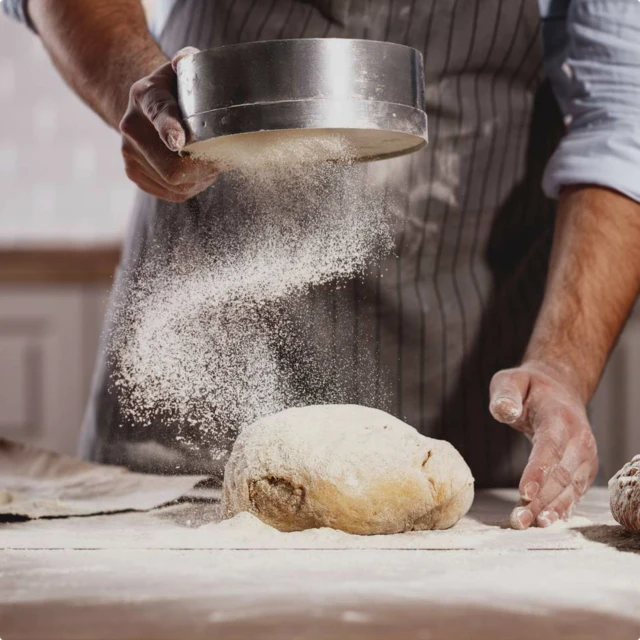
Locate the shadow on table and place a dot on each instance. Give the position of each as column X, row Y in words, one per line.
column 611, row 535
column 199, row 619
column 492, row 510
column 191, row 513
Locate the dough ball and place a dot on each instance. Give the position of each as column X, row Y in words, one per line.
column 624, row 491
column 348, row 467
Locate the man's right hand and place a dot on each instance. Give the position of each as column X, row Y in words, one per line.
column 153, row 133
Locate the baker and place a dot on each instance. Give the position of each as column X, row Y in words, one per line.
column 516, row 260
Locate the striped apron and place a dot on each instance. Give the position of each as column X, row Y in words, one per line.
column 459, row 297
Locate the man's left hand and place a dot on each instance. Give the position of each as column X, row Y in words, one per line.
column 542, row 402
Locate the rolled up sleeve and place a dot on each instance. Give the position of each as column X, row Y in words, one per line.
column 596, row 79
column 17, row 9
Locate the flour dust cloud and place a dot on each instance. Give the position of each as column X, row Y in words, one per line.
column 203, row 341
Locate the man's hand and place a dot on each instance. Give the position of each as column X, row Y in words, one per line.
column 106, row 53
column 591, row 287
column 153, row 133
column 543, row 403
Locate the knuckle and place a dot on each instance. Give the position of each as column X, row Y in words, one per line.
column 156, row 106
column 126, row 125
column 564, row 502
column 587, row 443
column 173, row 181
column 175, row 176
column 534, row 474
column 140, row 88
column 563, row 476
column 564, row 506
column 579, row 485
column 502, row 377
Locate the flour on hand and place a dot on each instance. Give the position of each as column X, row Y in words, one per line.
column 348, row 467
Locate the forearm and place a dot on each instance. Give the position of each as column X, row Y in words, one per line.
column 100, row 48
column 594, row 278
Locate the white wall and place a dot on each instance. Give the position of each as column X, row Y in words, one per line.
column 62, row 179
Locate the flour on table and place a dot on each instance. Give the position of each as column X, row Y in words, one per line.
column 246, row 531
column 199, row 525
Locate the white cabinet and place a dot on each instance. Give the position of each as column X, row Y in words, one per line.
column 49, row 338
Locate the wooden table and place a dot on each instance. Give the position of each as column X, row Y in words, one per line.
column 157, row 575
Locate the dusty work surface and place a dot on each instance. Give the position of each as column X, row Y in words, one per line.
column 174, row 573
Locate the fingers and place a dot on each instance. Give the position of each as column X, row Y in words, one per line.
column 172, row 168
column 541, row 401
column 566, row 483
column 153, row 188
column 526, row 513
column 563, row 504
column 153, row 131
column 549, row 444
column 163, row 112
column 508, row 392
column 178, row 177
column 156, row 98
column 183, row 53
column 148, row 180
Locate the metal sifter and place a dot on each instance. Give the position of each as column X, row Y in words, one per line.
column 370, row 93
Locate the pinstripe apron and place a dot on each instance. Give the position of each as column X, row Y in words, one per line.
column 459, row 298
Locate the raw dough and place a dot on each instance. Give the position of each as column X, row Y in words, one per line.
column 348, row 467
column 624, row 490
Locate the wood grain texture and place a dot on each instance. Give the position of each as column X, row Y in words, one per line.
column 58, row 265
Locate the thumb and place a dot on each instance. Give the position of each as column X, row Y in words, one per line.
column 161, row 108
column 508, row 391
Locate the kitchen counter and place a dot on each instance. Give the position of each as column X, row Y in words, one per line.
column 62, row 265
column 167, row 574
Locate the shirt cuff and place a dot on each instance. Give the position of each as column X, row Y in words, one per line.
column 596, row 78
column 17, row 9
column 608, row 157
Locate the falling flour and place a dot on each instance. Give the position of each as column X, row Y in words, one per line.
column 203, row 340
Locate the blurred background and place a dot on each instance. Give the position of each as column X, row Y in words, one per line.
column 60, row 167
column 64, row 208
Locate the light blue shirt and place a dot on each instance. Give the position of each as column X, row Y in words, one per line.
column 592, row 58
